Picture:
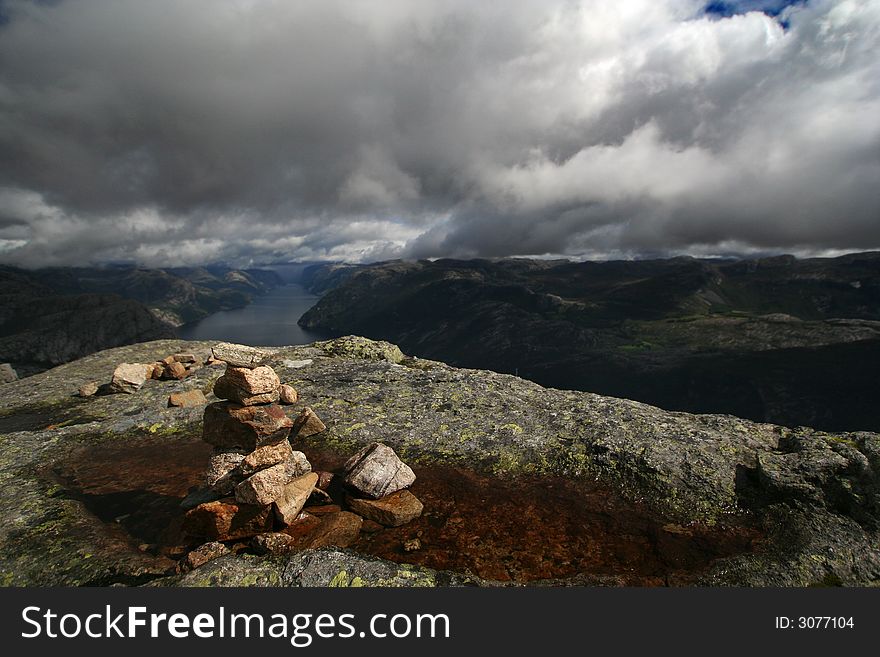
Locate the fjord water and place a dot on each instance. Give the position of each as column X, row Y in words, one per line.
column 269, row 320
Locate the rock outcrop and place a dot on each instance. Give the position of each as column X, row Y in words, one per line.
column 813, row 497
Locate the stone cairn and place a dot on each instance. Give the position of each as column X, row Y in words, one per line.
column 258, row 487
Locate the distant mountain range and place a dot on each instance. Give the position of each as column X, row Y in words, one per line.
column 782, row 340
column 54, row 315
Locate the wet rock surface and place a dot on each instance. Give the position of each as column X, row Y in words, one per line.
column 738, row 502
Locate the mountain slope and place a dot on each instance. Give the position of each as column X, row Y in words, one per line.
column 766, row 339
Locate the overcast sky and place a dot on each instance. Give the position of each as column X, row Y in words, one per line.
column 167, row 132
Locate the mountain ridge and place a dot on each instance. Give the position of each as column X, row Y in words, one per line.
column 676, row 333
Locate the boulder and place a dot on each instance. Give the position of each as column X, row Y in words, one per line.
column 340, row 529
column 187, row 399
column 222, row 474
column 307, row 424
column 88, row 389
column 293, row 497
column 202, row 555
column 288, row 394
column 227, row 520
column 227, row 387
column 392, row 510
column 376, row 471
column 129, row 377
column 266, row 456
column 7, row 373
column 239, row 355
column 244, row 428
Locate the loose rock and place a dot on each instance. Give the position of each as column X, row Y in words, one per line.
column 202, row 555
column 340, row 529
column 264, row 487
column 185, row 358
column 267, row 456
column 273, row 543
column 239, row 355
column 226, row 520
column 227, row 425
column 293, row 497
column 88, row 389
column 255, row 380
column 376, row 471
column 175, row 370
column 324, row 509
column 288, row 394
column 226, row 388
column 129, row 377
column 307, row 424
column 222, row 474
column 188, row 399
column 392, row 510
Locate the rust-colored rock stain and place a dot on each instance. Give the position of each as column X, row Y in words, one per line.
column 521, row 530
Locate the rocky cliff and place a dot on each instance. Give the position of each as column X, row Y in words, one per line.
column 781, row 340
column 51, row 316
column 592, row 489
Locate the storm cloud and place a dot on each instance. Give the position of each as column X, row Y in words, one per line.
column 249, row 131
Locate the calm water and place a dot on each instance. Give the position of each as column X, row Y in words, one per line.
column 270, row 320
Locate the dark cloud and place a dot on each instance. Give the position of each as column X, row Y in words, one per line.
column 167, row 132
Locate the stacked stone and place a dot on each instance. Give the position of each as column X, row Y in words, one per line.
column 379, row 481
column 256, row 478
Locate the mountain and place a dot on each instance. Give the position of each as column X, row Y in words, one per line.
column 783, row 340
column 177, row 295
column 54, row 315
column 521, row 484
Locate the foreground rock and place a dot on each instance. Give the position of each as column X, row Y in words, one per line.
column 129, row 377
column 813, row 494
column 202, row 555
column 230, row 426
column 293, row 497
column 226, row 520
column 88, row 389
column 288, row 394
column 376, row 471
column 237, row 355
column 307, row 424
column 392, row 510
column 249, row 387
column 267, row 485
column 339, row 529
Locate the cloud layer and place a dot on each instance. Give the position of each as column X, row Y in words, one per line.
column 167, row 132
